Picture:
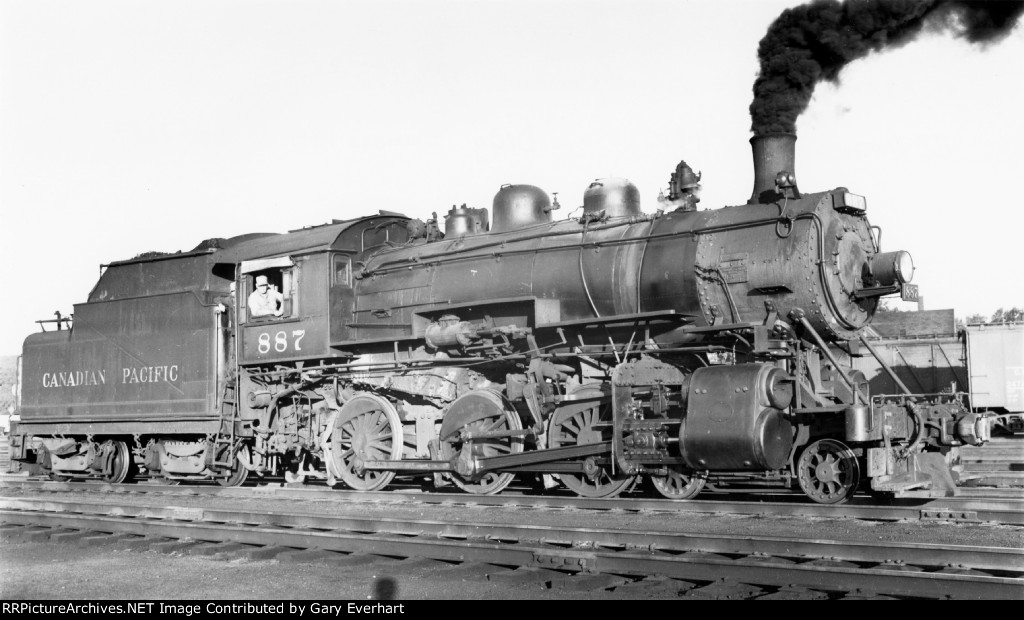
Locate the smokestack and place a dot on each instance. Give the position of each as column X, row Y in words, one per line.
column 773, row 153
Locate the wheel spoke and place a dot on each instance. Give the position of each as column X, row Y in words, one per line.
column 494, row 449
column 498, row 423
column 382, row 436
column 587, row 419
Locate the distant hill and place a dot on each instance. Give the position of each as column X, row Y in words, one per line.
column 8, row 377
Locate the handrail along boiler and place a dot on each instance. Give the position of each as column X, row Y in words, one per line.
column 595, row 351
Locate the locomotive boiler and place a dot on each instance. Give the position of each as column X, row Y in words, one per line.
column 590, row 352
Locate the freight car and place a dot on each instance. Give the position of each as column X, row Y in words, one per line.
column 593, row 351
column 932, row 356
column 995, row 357
column 921, row 348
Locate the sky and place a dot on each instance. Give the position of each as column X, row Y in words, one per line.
column 132, row 126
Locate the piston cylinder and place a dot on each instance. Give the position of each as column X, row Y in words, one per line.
column 730, row 423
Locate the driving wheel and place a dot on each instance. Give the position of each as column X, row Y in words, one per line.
column 577, row 423
column 367, row 429
column 479, row 412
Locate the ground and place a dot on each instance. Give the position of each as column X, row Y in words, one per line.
column 57, row 571
column 72, row 567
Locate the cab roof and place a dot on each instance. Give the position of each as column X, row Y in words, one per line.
column 305, row 240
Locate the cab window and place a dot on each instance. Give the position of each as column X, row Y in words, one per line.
column 271, row 294
column 342, row 272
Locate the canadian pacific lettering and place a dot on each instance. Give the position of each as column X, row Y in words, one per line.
column 149, row 374
column 135, row 374
column 74, row 378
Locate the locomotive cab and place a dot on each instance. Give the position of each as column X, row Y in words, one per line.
column 312, row 270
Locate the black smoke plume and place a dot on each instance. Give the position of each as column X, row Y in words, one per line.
column 813, row 42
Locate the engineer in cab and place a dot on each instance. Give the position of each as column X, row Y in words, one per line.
column 265, row 300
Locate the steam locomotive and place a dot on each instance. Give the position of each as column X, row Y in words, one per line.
column 679, row 347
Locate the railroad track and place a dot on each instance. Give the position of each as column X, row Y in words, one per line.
column 1003, row 506
column 999, row 463
column 624, row 556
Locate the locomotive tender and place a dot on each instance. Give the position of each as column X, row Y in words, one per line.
column 595, row 351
